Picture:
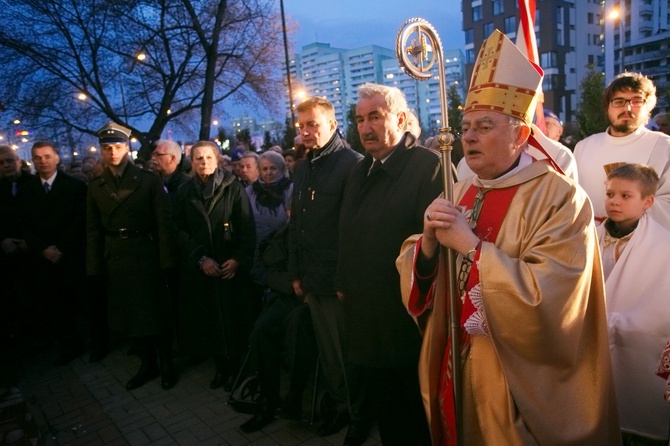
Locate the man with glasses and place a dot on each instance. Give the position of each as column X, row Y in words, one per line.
column 532, row 345
column 628, row 100
column 167, row 155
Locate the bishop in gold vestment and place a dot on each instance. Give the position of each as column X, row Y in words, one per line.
column 534, row 350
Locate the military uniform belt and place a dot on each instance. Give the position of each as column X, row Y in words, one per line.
column 128, row 233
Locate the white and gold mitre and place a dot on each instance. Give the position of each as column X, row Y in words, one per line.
column 504, row 80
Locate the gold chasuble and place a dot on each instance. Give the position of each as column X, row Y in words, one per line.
column 539, row 372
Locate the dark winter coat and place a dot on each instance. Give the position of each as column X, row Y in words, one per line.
column 318, row 187
column 378, row 213
column 216, row 222
column 175, row 181
column 129, row 245
column 59, row 219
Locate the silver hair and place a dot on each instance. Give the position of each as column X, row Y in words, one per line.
column 276, row 159
column 172, row 147
column 395, row 100
column 253, row 155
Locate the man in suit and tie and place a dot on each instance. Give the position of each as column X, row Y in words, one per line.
column 56, row 237
column 129, row 249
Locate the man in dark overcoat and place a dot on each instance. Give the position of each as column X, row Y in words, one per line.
column 169, row 164
column 169, row 160
column 383, row 204
column 14, row 259
column 319, row 183
column 56, row 238
column 129, row 248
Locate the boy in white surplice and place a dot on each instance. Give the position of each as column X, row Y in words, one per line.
column 638, row 292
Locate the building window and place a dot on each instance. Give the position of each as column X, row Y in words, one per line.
column 589, row 18
column 476, row 13
column 510, row 24
column 591, row 59
column 469, row 36
column 469, row 56
column 498, row 7
column 548, row 60
column 549, row 82
column 559, row 37
column 488, row 29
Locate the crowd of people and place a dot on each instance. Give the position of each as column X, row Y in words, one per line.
column 529, row 308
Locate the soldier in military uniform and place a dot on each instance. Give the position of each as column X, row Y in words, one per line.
column 129, row 249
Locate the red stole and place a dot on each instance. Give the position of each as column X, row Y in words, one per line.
column 494, row 207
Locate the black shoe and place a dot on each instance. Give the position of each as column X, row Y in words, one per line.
column 168, row 378
column 145, row 375
column 333, row 424
column 357, row 433
column 220, row 378
column 258, row 421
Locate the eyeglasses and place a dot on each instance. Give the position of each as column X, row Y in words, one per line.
column 482, row 128
column 158, row 154
column 621, row 102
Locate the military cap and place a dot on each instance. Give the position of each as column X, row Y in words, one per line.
column 237, row 154
column 113, row 132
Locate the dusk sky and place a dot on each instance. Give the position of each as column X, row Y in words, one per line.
column 351, row 24
column 355, row 23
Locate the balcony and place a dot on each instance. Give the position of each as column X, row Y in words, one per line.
column 646, row 9
column 645, row 25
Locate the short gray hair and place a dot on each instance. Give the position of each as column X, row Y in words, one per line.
column 249, row 154
column 395, row 100
column 172, row 147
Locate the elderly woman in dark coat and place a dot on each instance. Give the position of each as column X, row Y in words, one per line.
column 215, row 233
column 270, row 198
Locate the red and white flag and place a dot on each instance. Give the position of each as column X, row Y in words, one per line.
column 527, row 44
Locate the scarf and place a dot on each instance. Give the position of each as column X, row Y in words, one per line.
column 270, row 195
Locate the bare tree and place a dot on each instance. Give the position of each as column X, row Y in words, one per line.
column 144, row 63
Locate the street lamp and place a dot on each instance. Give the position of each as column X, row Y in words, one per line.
column 618, row 15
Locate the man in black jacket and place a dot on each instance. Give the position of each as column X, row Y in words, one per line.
column 168, row 158
column 383, row 204
column 56, row 237
column 319, row 183
column 14, row 260
column 169, row 161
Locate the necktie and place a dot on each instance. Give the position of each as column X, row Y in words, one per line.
column 46, row 187
column 375, row 166
column 15, row 188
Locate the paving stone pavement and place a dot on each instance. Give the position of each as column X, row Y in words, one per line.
column 87, row 404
